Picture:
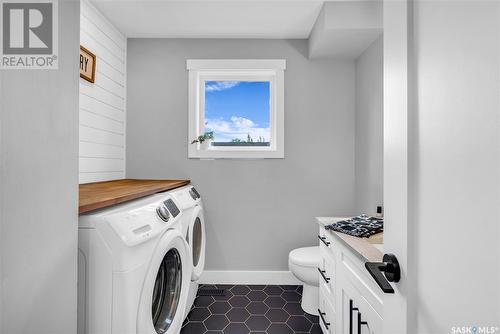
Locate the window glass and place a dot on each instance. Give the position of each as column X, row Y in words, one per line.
column 238, row 112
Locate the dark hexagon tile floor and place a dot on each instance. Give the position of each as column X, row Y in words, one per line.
column 246, row 309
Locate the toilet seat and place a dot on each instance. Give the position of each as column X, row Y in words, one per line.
column 305, row 257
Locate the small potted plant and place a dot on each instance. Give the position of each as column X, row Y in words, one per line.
column 204, row 140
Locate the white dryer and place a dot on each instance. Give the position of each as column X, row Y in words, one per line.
column 134, row 268
column 193, row 227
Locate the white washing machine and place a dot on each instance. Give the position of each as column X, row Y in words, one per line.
column 134, row 268
column 193, row 228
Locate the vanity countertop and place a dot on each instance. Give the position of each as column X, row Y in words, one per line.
column 368, row 249
column 99, row 195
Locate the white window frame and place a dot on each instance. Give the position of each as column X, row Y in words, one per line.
column 201, row 70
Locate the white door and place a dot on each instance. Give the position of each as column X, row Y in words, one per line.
column 395, row 157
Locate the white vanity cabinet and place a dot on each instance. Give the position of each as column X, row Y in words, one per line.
column 350, row 301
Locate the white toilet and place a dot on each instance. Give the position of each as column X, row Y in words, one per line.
column 304, row 263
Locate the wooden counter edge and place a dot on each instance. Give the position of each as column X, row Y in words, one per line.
column 127, row 197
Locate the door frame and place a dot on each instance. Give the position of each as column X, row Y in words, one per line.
column 397, row 29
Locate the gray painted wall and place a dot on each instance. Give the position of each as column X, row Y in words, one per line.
column 369, row 146
column 38, row 190
column 256, row 210
column 454, row 165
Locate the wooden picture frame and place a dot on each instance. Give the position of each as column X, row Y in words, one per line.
column 87, row 65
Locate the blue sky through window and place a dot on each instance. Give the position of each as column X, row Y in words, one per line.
column 236, row 109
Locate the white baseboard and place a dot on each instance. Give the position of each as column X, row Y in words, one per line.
column 248, row 277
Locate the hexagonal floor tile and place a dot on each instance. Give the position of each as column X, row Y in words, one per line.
column 193, row 328
column 257, row 323
column 216, row 322
column 247, row 309
column 236, row 328
column 226, row 296
column 219, row 307
column 198, row 314
column 279, row 329
column 256, row 287
column 240, row 290
column 291, row 296
column 257, row 308
column 293, row 309
column 316, row 329
column 273, row 290
column 299, row 323
column 312, row 318
column 237, row 314
column 203, row 301
column 257, row 296
column 277, row 315
column 239, row 301
column 275, row 302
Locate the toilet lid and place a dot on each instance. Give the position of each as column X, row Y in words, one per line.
column 307, row 256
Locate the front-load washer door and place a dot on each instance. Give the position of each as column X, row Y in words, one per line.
column 166, row 286
column 196, row 240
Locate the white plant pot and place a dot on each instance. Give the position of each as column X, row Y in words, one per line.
column 205, row 145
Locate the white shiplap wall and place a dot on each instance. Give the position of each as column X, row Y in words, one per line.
column 102, row 104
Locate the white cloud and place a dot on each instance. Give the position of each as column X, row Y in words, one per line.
column 242, row 122
column 237, row 128
column 221, row 85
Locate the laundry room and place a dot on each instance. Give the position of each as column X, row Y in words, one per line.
column 248, row 166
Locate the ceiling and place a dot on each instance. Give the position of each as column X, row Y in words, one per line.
column 212, row 19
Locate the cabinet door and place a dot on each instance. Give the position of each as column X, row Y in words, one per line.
column 327, row 312
column 346, row 322
column 358, row 317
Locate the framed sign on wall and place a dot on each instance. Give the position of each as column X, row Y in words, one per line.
column 87, row 64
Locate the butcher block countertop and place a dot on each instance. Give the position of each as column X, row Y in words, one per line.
column 99, row 195
column 367, row 249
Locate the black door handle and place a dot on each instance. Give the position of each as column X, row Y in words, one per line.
column 323, row 239
column 322, row 272
column 385, row 272
column 321, row 314
column 351, row 308
column 360, row 323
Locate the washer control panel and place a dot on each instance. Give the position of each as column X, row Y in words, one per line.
column 138, row 225
column 163, row 213
column 174, row 210
column 144, row 222
column 194, row 193
column 167, row 209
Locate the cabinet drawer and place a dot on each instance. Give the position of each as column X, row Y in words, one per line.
column 325, row 239
column 327, row 314
column 327, row 274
